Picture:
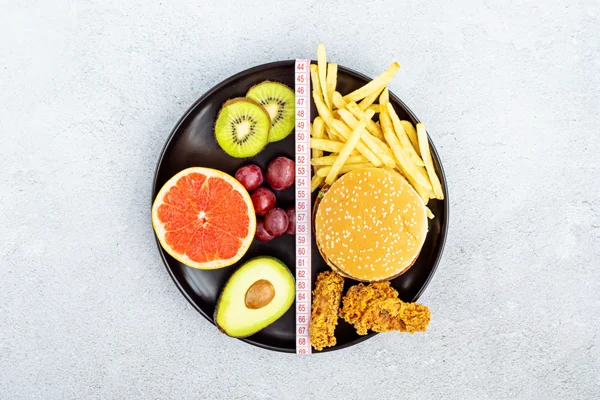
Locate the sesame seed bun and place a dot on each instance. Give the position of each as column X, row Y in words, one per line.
column 370, row 225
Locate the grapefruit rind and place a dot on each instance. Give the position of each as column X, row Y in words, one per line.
column 160, row 230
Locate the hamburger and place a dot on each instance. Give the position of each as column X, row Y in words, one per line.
column 370, row 225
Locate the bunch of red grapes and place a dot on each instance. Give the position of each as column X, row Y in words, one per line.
column 271, row 221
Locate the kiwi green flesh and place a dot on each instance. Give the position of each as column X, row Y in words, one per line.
column 242, row 128
column 279, row 101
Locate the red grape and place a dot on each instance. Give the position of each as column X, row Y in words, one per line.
column 250, row 176
column 261, row 234
column 263, row 200
column 276, row 222
column 281, row 173
column 291, row 213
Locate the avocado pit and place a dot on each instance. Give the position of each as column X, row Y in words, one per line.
column 259, row 294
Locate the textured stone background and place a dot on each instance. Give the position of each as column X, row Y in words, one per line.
column 89, row 91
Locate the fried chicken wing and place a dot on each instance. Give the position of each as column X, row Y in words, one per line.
column 359, row 296
column 378, row 308
column 325, row 307
column 393, row 315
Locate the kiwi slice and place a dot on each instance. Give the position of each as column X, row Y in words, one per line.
column 280, row 102
column 242, row 128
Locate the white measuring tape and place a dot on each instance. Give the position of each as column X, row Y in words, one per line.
column 303, row 206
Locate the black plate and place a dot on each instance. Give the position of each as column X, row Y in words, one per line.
column 192, row 144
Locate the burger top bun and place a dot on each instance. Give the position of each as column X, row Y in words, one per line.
column 370, row 225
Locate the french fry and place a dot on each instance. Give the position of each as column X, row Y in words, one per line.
column 351, row 143
column 369, row 100
column 322, row 68
column 331, row 82
column 329, row 160
column 404, row 140
column 380, row 149
column 314, row 77
column 329, row 135
column 338, row 100
column 424, row 193
column 380, row 144
column 396, row 170
column 327, row 116
column 346, row 168
column 355, row 152
column 326, row 145
column 376, row 84
column 374, row 107
column 315, row 182
column 348, row 118
column 424, row 146
column 361, row 146
column 413, row 173
column 335, row 135
column 371, row 125
column 384, row 98
column 412, row 134
column 318, row 130
column 421, row 191
column 384, row 102
column 390, row 138
column 429, row 213
column 323, row 110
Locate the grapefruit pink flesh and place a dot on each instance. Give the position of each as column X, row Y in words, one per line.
column 204, row 218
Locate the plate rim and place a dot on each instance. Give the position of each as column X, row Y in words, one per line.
column 283, row 63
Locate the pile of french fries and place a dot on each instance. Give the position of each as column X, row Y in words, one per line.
column 346, row 130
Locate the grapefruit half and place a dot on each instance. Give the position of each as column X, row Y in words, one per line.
column 204, row 218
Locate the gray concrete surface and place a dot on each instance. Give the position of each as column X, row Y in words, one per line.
column 89, row 91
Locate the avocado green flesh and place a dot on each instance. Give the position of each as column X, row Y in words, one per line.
column 234, row 318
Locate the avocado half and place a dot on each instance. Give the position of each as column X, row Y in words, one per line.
column 254, row 297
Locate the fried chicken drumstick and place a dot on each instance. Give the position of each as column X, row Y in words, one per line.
column 325, row 307
column 377, row 307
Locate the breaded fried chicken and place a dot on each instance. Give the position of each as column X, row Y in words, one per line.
column 325, row 306
column 378, row 308
column 359, row 296
column 393, row 315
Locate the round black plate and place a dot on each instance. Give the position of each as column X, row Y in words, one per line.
column 192, row 144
